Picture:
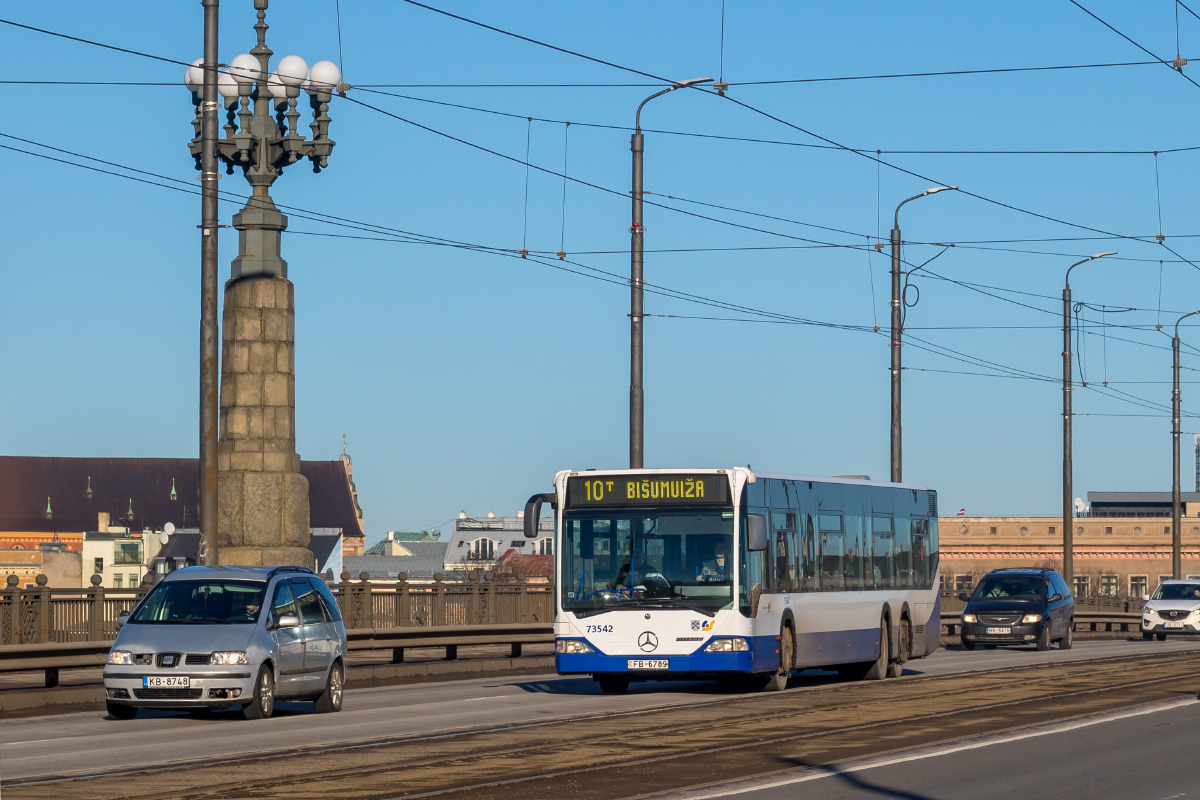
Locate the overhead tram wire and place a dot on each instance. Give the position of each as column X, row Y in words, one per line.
column 782, row 121
column 1145, row 50
column 606, row 277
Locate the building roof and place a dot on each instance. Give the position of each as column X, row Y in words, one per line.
column 524, row 565
column 419, row 565
column 181, row 544
column 1140, row 498
column 399, row 536
column 145, row 484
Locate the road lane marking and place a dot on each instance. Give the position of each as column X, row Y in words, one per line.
column 808, row 774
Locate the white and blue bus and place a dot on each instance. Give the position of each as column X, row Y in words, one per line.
column 672, row 574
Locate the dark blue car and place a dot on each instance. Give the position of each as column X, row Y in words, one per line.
column 1019, row 606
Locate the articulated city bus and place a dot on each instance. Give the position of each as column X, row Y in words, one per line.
column 669, row 574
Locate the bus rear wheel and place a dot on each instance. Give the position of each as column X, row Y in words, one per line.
column 787, row 648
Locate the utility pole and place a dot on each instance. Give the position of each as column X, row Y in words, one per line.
column 637, row 395
column 209, row 330
column 1176, row 524
column 1068, row 521
column 897, row 305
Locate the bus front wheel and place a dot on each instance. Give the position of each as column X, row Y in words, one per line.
column 611, row 685
column 787, row 648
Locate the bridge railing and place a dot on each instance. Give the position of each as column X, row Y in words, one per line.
column 45, row 615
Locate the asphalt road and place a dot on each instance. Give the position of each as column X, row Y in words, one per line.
column 1141, row 753
column 91, row 743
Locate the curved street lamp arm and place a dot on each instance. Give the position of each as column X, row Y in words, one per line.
column 1067, row 280
column 934, row 190
column 637, row 120
column 1181, row 319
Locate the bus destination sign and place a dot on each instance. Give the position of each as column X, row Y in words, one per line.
column 648, row 490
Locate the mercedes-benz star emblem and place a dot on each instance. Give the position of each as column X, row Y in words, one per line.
column 647, row 641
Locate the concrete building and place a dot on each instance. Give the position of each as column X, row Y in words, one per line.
column 119, row 556
column 478, row 543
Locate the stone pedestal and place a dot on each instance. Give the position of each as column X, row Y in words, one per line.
column 262, row 499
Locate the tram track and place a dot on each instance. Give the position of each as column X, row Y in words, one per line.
column 725, row 700
column 508, row 761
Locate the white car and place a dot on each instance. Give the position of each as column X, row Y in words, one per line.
column 1174, row 609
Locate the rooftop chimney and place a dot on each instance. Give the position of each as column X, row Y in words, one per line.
column 102, row 522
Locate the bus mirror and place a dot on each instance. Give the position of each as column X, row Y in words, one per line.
column 756, row 532
column 533, row 512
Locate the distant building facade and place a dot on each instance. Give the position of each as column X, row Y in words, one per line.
column 477, row 543
column 1118, row 557
column 110, row 510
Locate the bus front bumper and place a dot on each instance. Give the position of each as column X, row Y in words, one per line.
column 592, row 663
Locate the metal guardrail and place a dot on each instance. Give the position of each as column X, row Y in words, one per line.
column 1085, row 621
column 52, row 657
column 43, row 615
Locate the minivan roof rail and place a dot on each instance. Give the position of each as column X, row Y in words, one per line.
column 278, row 570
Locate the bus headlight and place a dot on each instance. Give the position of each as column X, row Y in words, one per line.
column 734, row 645
column 968, row 618
column 1031, row 618
column 573, row 646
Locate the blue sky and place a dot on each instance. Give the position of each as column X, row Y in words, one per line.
column 463, row 380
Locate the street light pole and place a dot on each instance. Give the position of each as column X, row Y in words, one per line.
column 209, row 331
column 637, row 397
column 1068, row 521
column 897, row 306
column 1176, row 526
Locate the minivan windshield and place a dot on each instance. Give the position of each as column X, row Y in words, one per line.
column 202, row 602
column 1010, row 587
column 1177, row 591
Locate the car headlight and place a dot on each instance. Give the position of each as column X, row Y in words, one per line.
column 969, row 618
column 734, row 645
column 572, row 646
column 228, row 657
column 120, row 657
column 1031, row 618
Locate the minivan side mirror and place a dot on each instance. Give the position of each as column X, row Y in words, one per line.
column 288, row 621
column 963, row 596
column 122, row 618
column 756, row 532
column 1054, row 598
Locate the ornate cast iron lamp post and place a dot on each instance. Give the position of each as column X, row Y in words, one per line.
column 262, row 499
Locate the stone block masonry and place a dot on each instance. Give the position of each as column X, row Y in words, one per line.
column 262, row 499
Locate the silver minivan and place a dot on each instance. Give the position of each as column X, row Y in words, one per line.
column 214, row 637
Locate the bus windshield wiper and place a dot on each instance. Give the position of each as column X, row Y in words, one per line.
column 708, row 612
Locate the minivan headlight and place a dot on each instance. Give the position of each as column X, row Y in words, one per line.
column 228, row 657
column 120, row 657
column 969, row 618
column 572, row 646
column 1031, row 618
column 734, row 645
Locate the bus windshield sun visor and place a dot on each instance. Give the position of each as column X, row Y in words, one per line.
column 533, row 512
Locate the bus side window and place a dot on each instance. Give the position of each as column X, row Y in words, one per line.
column 783, row 565
column 833, row 551
column 922, row 574
column 808, row 557
column 882, row 552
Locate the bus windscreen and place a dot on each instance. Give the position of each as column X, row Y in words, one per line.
column 647, row 557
